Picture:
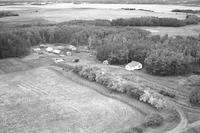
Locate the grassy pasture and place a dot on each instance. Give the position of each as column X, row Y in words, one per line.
column 40, row 100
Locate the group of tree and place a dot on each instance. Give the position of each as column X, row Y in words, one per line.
column 138, row 21
column 155, row 21
column 186, row 11
column 7, row 14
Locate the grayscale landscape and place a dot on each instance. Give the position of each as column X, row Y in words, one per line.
column 100, row 66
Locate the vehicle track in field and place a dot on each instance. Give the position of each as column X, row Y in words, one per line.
column 70, row 76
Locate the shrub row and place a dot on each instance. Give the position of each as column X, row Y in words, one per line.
column 116, row 83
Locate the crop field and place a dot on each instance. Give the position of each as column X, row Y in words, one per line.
column 40, row 100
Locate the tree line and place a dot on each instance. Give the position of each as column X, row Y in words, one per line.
column 161, row 55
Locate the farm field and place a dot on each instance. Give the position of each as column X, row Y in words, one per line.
column 40, row 100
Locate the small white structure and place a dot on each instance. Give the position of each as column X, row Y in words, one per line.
column 36, row 49
column 49, row 49
column 105, row 62
column 43, row 46
column 72, row 48
column 56, row 51
column 69, row 53
column 134, row 65
column 57, row 60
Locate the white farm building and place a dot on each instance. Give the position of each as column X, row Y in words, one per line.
column 134, row 65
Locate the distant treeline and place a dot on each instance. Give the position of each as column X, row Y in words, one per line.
column 128, row 8
column 7, row 14
column 186, row 11
column 155, row 21
column 142, row 21
column 146, row 10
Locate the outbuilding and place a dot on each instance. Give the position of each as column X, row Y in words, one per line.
column 58, row 60
column 49, row 49
column 134, row 65
column 56, row 51
column 106, row 62
column 71, row 47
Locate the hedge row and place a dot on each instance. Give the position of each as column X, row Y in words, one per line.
column 117, row 83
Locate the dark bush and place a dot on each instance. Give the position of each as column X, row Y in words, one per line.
column 194, row 97
column 165, row 93
column 173, row 116
column 153, row 120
